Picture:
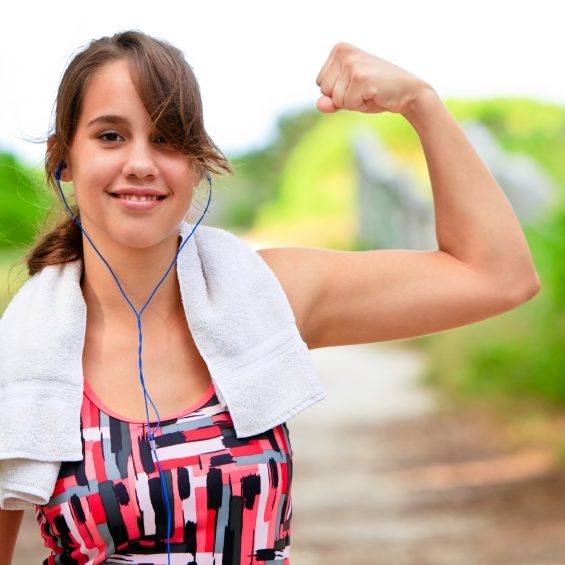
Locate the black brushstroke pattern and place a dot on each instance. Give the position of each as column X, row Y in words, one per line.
column 115, row 435
column 61, row 526
column 190, row 537
column 219, row 460
column 281, row 544
column 265, row 555
column 76, row 509
column 146, row 456
column 232, row 535
column 250, row 488
column 80, row 474
column 270, row 435
column 122, row 495
column 171, row 438
column 229, row 439
column 270, row 554
column 159, row 506
column 114, row 518
column 214, row 488
column 273, row 473
column 183, row 482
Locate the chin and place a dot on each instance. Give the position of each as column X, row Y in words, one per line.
column 135, row 240
column 147, row 241
column 135, row 236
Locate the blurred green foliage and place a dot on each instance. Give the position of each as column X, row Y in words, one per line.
column 257, row 173
column 524, row 126
column 23, row 202
column 12, row 274
column 303, row 183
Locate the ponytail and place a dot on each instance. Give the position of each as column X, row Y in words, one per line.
column 63, row 244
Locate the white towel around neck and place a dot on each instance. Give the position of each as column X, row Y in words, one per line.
column 242, row 325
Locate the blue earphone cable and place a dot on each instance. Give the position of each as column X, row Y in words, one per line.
column 146, row 396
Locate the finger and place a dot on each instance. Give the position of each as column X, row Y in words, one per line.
column 339, row 90
column 328, row 76
column 328, row 82
column 325, row 105
column 324, row 69
column 334, row 59
column 360, row 94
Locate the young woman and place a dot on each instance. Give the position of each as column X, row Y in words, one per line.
column 210, row 482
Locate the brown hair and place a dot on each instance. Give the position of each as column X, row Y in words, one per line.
column 170, row 93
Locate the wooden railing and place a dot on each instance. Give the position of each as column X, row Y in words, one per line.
column 394, row 214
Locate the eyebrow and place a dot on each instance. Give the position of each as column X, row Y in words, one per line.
column 107, row 119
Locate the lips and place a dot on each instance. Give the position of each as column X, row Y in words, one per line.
column 138, row 193
column 138, row 199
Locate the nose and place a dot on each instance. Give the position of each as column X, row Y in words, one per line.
column 140, row 162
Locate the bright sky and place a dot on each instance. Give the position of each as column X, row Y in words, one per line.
column 256, row 59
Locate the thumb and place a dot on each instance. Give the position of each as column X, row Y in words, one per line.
column 325, row 104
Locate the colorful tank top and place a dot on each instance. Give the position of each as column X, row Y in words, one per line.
column 230, row 498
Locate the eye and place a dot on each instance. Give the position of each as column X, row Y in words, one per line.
column 161, row 139
column 110, row 136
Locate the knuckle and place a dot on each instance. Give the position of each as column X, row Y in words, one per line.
column 357, row 75
column 337, row 100
column 348, row 64
column 342, row 48
column 325, row 89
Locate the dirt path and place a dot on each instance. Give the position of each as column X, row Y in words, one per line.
column 382, row 479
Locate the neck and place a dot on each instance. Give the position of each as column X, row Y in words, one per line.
column 139, row 271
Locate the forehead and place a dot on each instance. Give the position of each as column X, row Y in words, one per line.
column 111, row 91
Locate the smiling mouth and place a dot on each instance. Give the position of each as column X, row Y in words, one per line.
column 139, row 197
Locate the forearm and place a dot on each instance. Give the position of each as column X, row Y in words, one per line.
column 474, row 220
column 10, row 521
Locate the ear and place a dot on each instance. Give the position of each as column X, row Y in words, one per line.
column 66, row 173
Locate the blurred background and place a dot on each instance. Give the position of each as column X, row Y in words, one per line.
column 458, row 456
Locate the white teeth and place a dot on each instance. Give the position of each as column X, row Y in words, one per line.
column 140, row 198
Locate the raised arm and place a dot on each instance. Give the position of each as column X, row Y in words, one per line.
column 483, row 266
column 10, row 521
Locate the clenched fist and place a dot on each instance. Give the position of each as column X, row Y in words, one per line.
column 352, row 79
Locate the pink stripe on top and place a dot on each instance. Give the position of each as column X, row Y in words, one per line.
column 95, row 399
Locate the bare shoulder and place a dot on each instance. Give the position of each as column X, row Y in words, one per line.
column 298, row 270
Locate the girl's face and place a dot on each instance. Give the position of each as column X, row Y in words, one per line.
column 132, row 188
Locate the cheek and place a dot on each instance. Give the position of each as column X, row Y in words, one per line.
column 182, row 181
column 84, row 192
column 93, row 176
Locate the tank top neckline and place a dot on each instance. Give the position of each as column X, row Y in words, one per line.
column 94, row 399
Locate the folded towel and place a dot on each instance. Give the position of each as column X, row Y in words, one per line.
column 241, row 322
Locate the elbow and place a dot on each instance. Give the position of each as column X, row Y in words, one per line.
column 527, row 288
column 536, row 285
